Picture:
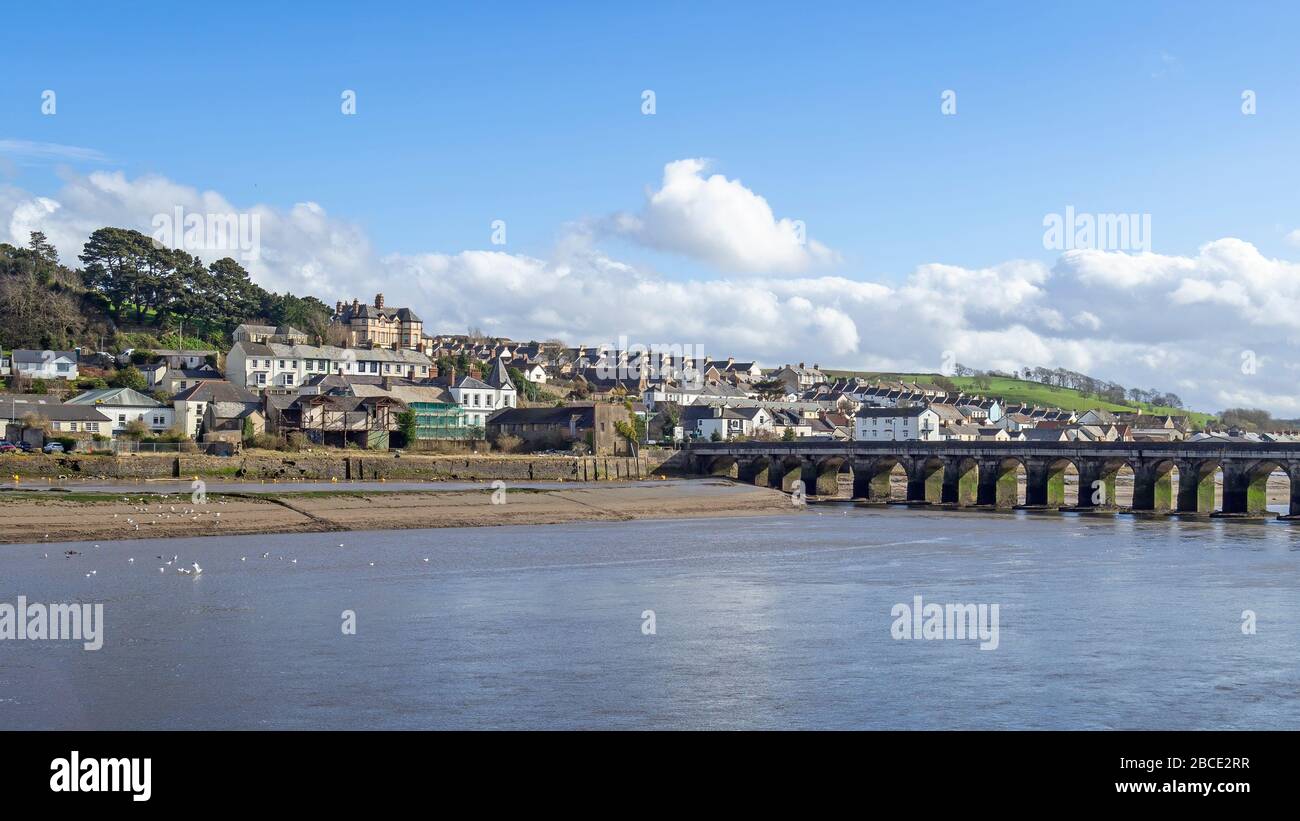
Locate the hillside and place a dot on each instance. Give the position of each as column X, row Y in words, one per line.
column 1031, row 393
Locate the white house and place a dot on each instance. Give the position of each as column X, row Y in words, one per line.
column 896, row 424
column 704, row 421
column 260, row 365
column 122, row 406
column 483, row 397
column 45, row 364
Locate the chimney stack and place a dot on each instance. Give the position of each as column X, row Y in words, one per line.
column 379, row 300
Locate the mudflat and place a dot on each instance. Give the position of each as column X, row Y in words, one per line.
column 52, row 516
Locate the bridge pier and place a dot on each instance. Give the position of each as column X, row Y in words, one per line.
column 925, row 481
column 756, row 471
column 960, row 482
column 1196, row 486
column 1097, row 485
column 1153, row 487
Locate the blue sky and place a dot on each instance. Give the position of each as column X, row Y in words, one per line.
column 832, row 115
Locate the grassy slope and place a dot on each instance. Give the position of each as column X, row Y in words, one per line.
column 1031, row 393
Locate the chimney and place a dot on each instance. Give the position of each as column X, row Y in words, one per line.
column 731, row 360
column 379, row 300
column 338, row 307
column 356, row 303
column 800, row 365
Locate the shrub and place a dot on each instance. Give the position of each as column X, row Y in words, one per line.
column 508, row 443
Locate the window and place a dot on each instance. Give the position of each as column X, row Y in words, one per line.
column 72, row 426
column 261, row 378
column 288, row 379
column 121, row 418
column 281, row 363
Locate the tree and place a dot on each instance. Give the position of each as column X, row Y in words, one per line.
column 529, row 390
column 128, row 377
column 788, row 435
column 135, row 429
column 769, row 388
column 408, row 426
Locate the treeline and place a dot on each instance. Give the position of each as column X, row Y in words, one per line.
column 127, row 282
column 1255, row 420
column 1102, row 389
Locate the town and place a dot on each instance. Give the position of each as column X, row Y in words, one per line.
column 390, row 384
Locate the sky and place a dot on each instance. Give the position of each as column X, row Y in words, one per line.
column 864, row 186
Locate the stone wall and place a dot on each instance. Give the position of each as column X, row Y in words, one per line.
column 325, row 466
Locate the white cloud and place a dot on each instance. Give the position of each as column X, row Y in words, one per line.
column 27, row 152
column 1165, row 322
column 721, row 222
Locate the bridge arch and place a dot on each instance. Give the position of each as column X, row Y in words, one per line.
column 1098, row 479
column 925, row 479
column 1155, row 485
column 822, row 476
column 1245, row 486
column 961, row 475
column 872, row 477
column 1045, row 481
column 999, row 482
column 756, row 471
column 724, row 465
column 1198, row 485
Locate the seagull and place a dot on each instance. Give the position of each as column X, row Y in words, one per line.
column 266, row 555
column 426, row 559
column 130, row 561
column 162, row 570
column 243, row 558
column 293, row 561
column 372, row 564
column 197, row 569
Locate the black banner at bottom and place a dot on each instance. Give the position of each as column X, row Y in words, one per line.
column 154, row 770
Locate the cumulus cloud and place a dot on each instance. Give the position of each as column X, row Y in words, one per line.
column 721, row 222
column 1178, row 323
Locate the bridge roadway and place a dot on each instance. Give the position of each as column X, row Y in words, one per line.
column 984, row 474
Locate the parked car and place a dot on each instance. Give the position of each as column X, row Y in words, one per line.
column 7, row 447
column 53, row 447
column 26, row 447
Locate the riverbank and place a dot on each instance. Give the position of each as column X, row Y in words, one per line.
column 53, row 516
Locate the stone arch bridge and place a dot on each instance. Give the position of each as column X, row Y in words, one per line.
column 986, row 474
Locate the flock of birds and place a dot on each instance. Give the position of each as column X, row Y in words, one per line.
column 142, row 509
column 158, row 515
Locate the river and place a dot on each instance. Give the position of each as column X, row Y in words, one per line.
column 765, row 622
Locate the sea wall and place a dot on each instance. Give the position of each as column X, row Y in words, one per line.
column 341, row 466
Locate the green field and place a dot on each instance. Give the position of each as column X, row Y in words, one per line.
column 1014, row 391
